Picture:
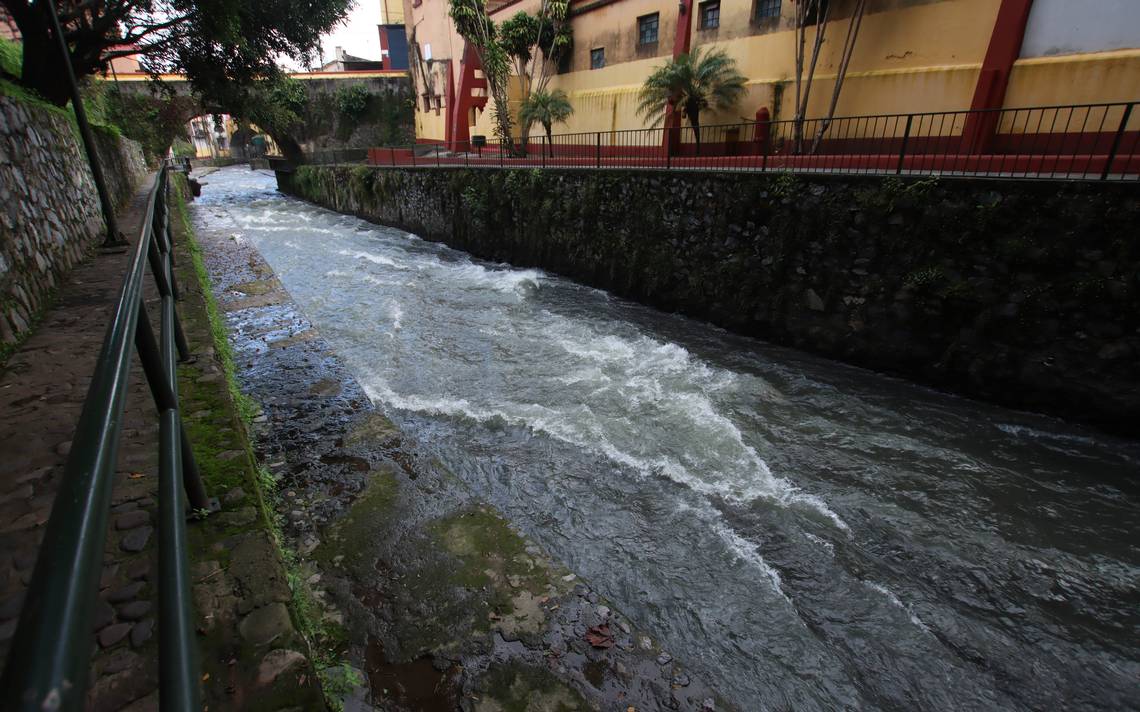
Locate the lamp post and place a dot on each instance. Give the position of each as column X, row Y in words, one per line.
column 114, row 238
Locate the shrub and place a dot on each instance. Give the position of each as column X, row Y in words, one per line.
column 352, row 101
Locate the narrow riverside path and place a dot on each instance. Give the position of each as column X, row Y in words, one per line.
column 250, row 655
column 42, row 389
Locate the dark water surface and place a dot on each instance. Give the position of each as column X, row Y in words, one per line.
column 805, row 535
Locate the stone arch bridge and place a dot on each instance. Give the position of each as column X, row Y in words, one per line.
column 389, row 119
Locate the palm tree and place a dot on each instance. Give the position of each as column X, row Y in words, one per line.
column 692, row 82
column 546, row 108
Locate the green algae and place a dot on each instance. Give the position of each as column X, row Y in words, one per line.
column 514, row 687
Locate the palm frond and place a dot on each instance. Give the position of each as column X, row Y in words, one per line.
column 699, row 79
column 545, row 107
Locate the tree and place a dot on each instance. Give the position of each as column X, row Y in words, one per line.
column 694, row 82
column 818, row 13
column 546, row 108
column 535, row 44
column 212, row 42
column 475, row 26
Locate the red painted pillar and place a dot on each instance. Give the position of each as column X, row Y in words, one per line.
column 763, row 130
column 452, row 106
column 1003, row 50
column 385, row 54
column 462, row 100
column 682, row 38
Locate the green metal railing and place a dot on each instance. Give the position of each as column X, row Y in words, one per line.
column 50, row 653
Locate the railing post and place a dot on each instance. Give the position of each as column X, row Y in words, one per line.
column 906, row 139
column 544, row 143
column 178, row 676
column 1116, row 142
column 598, row 151
column 392, row 153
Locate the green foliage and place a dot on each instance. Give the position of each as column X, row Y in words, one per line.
column 288, row 94
column 183, row 148
column 475, row 200
column 216, row 43
column 546, row 108
column 924, row 277
column 519, row 34
column 338, row 682
column 245, row 406
column 692, row 82
column 474, row 25
column 11, row 57
column 784, row 185
column 352, row 102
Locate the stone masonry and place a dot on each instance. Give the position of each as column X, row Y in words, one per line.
column 49, row 211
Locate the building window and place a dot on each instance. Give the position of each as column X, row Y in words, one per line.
column 767, row 9
column 710, row 14
column 598, row 58
column 647, row 29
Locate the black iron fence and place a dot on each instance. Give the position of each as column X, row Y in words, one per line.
column 1084, row 142
column 50, row 653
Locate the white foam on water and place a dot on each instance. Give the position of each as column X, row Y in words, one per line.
column 395, row 313
column 288, row 228
column 654, row 374
column 589, row 433
column 820, row 541
column 739, row 547
column 501, row 280
column 1023, row 431
column 337, row 273
column 371, row 257
column 890, row 596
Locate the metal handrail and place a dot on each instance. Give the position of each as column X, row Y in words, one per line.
column 51, row 650
column 1079, row 141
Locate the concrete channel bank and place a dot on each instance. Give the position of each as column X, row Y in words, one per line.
column 1022, row 293
column 417, row 595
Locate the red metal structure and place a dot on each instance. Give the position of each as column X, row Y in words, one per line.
column 1082, row 142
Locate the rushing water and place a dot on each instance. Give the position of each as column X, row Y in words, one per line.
column 805, row 535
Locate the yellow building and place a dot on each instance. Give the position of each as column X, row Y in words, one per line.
column 910, row 56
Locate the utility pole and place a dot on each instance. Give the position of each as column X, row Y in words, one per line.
column 114, row 238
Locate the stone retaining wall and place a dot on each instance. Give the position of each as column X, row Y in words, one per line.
column 49, row 210
column 1021, row 293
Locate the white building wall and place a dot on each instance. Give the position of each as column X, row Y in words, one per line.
column 1059, row 27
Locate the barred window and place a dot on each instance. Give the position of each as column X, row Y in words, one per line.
column 766, row 9
column 647, row 29
column 710, row 14
column 598, row 58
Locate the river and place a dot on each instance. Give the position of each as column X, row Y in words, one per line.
column 804, row 534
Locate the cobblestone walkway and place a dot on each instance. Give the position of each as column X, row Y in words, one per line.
column 251, row 655
column 41, row 394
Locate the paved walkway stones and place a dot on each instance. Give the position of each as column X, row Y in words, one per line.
column 42, row 389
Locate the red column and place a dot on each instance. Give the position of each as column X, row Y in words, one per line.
column 1003, row 50
column 682, row 38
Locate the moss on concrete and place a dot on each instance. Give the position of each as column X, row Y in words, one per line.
column 520, row 688
column 216, row 414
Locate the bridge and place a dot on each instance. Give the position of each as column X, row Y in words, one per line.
column 320, row 127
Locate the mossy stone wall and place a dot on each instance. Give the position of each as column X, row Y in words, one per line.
column 1018, row 292
column 49, row 210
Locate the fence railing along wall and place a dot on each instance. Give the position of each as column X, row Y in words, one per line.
column 1085, row 142
column 51, row 651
